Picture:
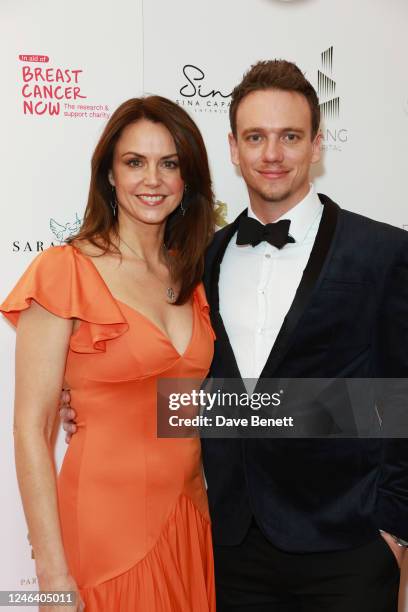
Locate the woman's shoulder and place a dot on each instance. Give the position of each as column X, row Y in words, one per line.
column 50, row 264
column 47, row 281
column 56, row 277
column 55, row 253
column 64, row 281
column 62, row 257
column 87, row 248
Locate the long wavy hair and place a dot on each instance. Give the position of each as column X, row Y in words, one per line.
column 186, row 237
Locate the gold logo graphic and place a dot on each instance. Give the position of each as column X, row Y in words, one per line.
column 221, row 213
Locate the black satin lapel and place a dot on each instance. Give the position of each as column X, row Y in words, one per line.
column 212, row 274
column 312, row 275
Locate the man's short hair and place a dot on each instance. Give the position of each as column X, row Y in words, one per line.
column 275, row 74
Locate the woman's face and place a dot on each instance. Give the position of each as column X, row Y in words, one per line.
column 145, row 173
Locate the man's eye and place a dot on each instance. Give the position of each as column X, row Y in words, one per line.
column 254, row 137
column 291, row 137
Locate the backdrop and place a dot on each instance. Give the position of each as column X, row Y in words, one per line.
column 66, row 66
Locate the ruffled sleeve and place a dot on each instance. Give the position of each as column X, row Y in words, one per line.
column 66, row 283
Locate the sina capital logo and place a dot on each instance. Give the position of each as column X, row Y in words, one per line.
column 60, row 233
column 198, row 94
column 334, row 135
column 326, row 87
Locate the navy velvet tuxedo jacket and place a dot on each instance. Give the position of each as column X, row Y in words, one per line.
column 349, row 319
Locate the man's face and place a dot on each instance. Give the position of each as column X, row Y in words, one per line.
column 274, row 147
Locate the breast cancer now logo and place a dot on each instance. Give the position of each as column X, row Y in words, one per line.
column 46, row 89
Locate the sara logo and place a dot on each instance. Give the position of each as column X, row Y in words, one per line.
column 61, row 232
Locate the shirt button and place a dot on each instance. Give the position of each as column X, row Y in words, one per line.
column 259, row 330
column 268, row 255
column 261, row 291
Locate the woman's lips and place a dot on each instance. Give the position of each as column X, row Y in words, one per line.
column 151, row 200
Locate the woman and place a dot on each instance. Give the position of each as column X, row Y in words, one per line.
column 127, row 526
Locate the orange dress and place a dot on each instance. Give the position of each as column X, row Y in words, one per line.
column 133, row 507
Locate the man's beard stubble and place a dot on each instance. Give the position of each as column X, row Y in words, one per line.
column 273, row 197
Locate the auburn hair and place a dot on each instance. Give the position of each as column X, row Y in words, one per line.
column 275, row 74
column 186, row 237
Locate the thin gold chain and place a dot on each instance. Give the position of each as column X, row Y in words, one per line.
column 170, row 293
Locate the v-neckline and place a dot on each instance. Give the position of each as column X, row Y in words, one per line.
column 159, row 329
column 141, row 314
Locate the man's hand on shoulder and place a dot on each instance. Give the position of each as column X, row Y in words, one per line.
column 67, row 415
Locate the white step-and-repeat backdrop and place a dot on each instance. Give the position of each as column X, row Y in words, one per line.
column 66, row 66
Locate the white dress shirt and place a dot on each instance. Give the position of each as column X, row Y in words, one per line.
column 257, row 285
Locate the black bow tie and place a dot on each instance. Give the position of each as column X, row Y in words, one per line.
column 251, row 231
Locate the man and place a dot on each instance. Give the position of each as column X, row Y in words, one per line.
column 322, row 293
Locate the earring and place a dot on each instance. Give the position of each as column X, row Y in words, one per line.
column 183, row 208
column 114, row 202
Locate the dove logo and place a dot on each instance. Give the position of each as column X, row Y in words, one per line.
column 63, row 232
column 60, row 231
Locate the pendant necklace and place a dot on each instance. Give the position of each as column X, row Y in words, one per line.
column 170, row 293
